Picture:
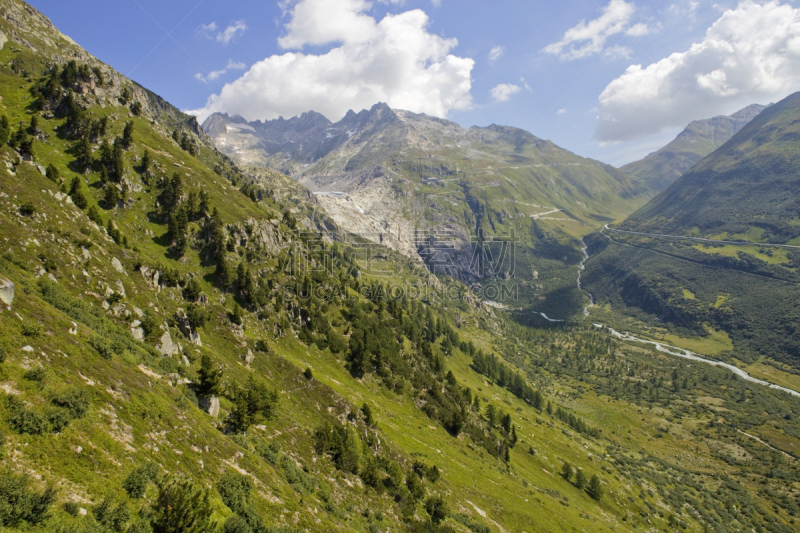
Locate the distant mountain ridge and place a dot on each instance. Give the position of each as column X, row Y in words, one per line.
column 389, row 174
column 748, row 191
column 697, row 140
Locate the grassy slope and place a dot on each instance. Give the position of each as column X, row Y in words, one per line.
column 136, row 417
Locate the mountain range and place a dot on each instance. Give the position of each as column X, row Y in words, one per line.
column 191, row 345
column 697, row 140
column 399, row 178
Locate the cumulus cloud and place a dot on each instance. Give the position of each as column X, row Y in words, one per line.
column 495, row 53
column 214, row 74
column 504, row 91
column 589, row 38
column 750, row 54
column 394, row 60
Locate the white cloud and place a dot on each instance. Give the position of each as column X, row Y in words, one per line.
column 561, row 112
column 395, row 60
column 750, row 54
column 495, row 53
column 229, row 34
column 589, row 38
column 505, row 91
column 214, row 74
column 232, row 32
column 207, row 30
column 637, row 30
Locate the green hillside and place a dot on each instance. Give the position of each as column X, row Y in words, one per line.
column 737, row 213
column 701, row 137
column 187, row 346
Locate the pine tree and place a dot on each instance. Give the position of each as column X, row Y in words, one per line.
column 146, row 161
column 236, row 315
column 76, row 193
column 209, row 378
column 566, row 471
column 127, row 135
column 110, row 196
column 580, row 479
column 5, row 129
column 84, row 152
column 239, row 418
column 595, row 488
column 368, row 418
column 52, row 173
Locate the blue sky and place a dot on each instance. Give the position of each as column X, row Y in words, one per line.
column 565, row 71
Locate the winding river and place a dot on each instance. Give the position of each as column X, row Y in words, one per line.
column 666, row 348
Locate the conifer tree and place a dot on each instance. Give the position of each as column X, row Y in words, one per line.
column 209, row 378
column 595, row 488
column 566, row 471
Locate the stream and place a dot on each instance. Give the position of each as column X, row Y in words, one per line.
column 666, row 348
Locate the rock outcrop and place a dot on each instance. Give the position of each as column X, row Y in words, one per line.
column 6, row 291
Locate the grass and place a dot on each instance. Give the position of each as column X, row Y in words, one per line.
column 773, row 256
column 716, row 342
column 769, row 372
column 689, row 295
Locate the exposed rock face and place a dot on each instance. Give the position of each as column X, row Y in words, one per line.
column 137, row 331
column 186, row 328
column 6, row 291
column 166, row 346
column 117, row 265
column 210, row 404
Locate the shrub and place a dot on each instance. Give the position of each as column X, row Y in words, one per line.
column 22, row 420
column 237, row 524
column 20, row 503
column 31, row 330
column 437, row 509
column 71, row 508
column 136, row 482
column 112, row 516
column 37, row 374
column 102, row 346
column 235, row 488
column 58, row 418
column 76, row 401
column 182, row 507
column 269, row 452
column 27, row 209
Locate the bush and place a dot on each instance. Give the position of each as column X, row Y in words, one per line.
column 71, row 508
column 31, row 330
column 76, row 401
column 237, row 524
column 27, row 209
column 37, row 374
column 271, row 453
column 20, row 503
column 136, row 482
column 437, row 509
column 112, row 516
column 235, row 488
column 58, row 418
column 102, row 346
column 182, row 507
column 24, row 421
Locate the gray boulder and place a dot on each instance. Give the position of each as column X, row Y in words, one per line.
column 6, row 291
column 210, row 404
